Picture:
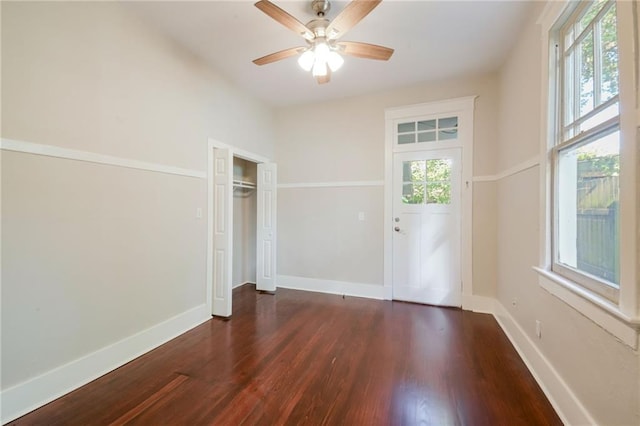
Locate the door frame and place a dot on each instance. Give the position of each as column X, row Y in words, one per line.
column 464, row 109
column 213, row 144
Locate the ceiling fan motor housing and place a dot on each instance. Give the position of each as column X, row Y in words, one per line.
column 320, row 7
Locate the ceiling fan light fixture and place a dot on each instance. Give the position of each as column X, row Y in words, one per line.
column 319, row 68
column 307, row 59
column 334, row 60
column 323, row 53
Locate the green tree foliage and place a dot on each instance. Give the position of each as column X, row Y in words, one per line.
column 608, row 52
column 427, row 181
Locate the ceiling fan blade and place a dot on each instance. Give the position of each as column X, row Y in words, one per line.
column 349, row 17
column 365, row 50
column 322, row 79
column 274, row 57
column 284, row 18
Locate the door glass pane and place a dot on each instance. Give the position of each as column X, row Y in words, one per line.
column 413, row 171
column 445, row 123
column 427, row 136
column 426, row 181
column 407, row 138
column 439, row 193
column 413, row 193
column 439, row 169
column 406, row 127
column 427, row 125
column 439, row 181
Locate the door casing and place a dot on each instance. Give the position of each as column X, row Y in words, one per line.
column 463, row 108
column 223, row 307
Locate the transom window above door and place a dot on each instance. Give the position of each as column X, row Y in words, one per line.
column 426, row 181
column 433, row 130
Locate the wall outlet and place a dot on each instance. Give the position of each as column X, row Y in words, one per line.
column 361, row 216
column 539, row 329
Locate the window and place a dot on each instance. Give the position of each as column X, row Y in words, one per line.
column 586, row 151
column 440, row 129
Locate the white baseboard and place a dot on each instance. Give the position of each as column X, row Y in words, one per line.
column 564, row 401
column 241, row 284
column 27, row 396
column 371, row 291
column 480, row 304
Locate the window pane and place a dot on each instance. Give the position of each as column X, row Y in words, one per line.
column 413, row 193
column 406, row 127
column 439, row 170
column 407, row 138
column 447, row 134
column 591, row 13
column 600, row 117
column 609, row 46
column 439, row 193
column 413, row 171
column 588, row 197
column 586, row 74
column 427, row 137
column 426, row 125
column 445, row 123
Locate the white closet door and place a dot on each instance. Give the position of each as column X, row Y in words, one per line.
column 222, row 231
column 266, row 228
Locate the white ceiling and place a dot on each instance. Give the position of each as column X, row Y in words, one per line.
column 433, row 40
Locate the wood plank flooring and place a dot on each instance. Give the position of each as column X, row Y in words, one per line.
column 308, row 358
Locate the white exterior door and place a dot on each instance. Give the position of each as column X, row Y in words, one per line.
column 426, row 222
column 222, row 261
column 266, row 228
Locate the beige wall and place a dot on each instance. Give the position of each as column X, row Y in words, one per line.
column 95, row 253
column 344, row 141
column 602, row 372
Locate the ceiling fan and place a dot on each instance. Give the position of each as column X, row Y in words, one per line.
column 322, row 55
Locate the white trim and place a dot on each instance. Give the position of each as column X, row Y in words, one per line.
column 430, row 108
column 241, row 284
column 370, row 291
column 480, row 304
column 464, row 108
column 621, row 319
column 92, row 157
column 518, row 168
column 597, row 309
column 235, row 152
column 569, row 408
column 344, row 184
column 27, row 396
column 238, row 152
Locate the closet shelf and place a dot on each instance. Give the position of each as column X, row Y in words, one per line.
column 243, row 184
column 243, row 188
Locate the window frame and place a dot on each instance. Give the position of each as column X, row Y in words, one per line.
column 564, row 126
column 618, row 315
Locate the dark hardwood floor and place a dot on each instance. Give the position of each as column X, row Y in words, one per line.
column 309, row 358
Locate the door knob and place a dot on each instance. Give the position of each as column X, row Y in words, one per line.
column 397, row 229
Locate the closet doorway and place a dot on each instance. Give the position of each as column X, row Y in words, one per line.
column 241, row 224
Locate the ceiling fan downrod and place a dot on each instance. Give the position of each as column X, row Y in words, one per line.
column 320, row 7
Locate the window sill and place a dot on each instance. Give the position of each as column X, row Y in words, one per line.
column 598, row 309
